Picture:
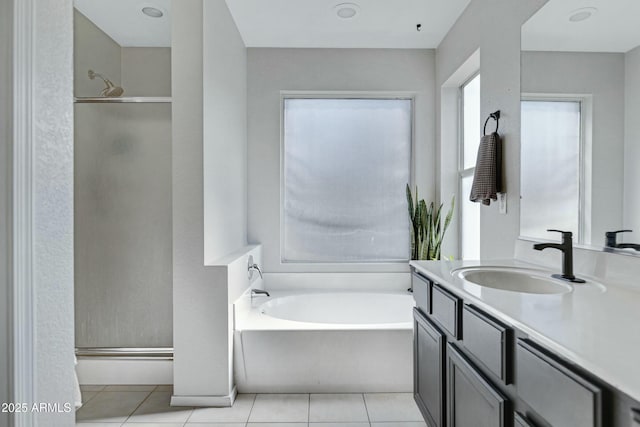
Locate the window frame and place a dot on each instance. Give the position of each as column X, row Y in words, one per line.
column 585, row 108
column 463, row 172
column 363, row 265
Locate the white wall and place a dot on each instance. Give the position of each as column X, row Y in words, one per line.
column 493, row 26
column 6, row 39
column 274, row 70
column 631, row 217
column 52, row 215
column 202, row 320
column 225, row 134
column 602, row 76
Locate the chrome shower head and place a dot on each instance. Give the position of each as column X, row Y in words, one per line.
column 110, row 90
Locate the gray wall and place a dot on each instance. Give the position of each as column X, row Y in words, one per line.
column 225, row 139
column 141, row 71
column 201, row 360
column 146, row 71
column 6, row 38
column 94, row 50
column 632, row 143
column 493, row 26
column 123, row 235
column 601, row 75
column 274, row 70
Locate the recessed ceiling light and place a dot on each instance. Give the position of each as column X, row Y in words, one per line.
column 582, row 14
column 346, row 10
column 152, row 12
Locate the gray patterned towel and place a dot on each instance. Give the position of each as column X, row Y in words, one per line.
column 487, row 178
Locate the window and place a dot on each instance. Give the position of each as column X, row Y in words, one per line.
column 469, row 142
column 346, row 163
column 550, row 167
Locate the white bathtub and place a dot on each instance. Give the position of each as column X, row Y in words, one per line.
column 314, row 341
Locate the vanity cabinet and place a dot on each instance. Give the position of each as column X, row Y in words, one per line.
column 557, row 394
column 473, row 400
column 445, row 310
column 421, row 287
column 429, row 369
column 489, row 340
column 520, row 421
column 472, row 370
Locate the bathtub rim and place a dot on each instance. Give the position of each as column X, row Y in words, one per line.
column 248, row 318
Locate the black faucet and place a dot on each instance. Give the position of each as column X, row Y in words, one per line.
column 566, row 247
column 612, row 243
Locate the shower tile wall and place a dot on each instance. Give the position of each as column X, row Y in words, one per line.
column 123, row 240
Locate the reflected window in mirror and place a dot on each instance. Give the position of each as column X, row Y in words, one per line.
column 470, row 125
column 551, row 167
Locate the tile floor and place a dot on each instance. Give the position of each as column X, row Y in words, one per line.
column 148, row 406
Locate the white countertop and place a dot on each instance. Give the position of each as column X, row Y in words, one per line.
column 596, row 328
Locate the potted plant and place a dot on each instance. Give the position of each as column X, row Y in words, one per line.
column 427, row 231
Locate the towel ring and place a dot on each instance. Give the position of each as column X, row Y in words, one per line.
column 495, row 116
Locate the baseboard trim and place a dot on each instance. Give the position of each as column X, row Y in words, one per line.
column 124, row 371
column 214, row 401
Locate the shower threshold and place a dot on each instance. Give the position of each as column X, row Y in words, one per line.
column 155, row 353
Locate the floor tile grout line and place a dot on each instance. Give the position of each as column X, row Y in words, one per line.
column 253, row 403
column 366, row 408
column 309, row 410
column 138, row 407
column 193, row 410
column 90, row 399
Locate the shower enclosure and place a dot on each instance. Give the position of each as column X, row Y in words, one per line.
column 123, row 241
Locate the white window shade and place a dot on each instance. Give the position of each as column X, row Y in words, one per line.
column 346, row 165
column 550, row 168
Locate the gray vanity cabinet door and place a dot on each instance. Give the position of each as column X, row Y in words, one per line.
column 547, row 385
column 472, row 400
column 428, row 369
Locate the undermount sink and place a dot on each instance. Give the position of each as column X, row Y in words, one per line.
column 513, row 279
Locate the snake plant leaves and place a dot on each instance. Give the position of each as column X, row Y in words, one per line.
column 427, row 230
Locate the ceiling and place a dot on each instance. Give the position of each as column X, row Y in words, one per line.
column 614, row 27
column 125, row 23
column 291, row 23
column 314, row 23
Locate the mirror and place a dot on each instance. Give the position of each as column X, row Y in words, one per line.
column 580, row 139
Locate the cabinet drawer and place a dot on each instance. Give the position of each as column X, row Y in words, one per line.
column 521, row 421
column 422, row 292
column 547, row 386
column 489, row 340
column 445, row 310
column 635, row 418
column 472, row 400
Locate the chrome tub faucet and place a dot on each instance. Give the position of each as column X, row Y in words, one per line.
column 252, row 266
